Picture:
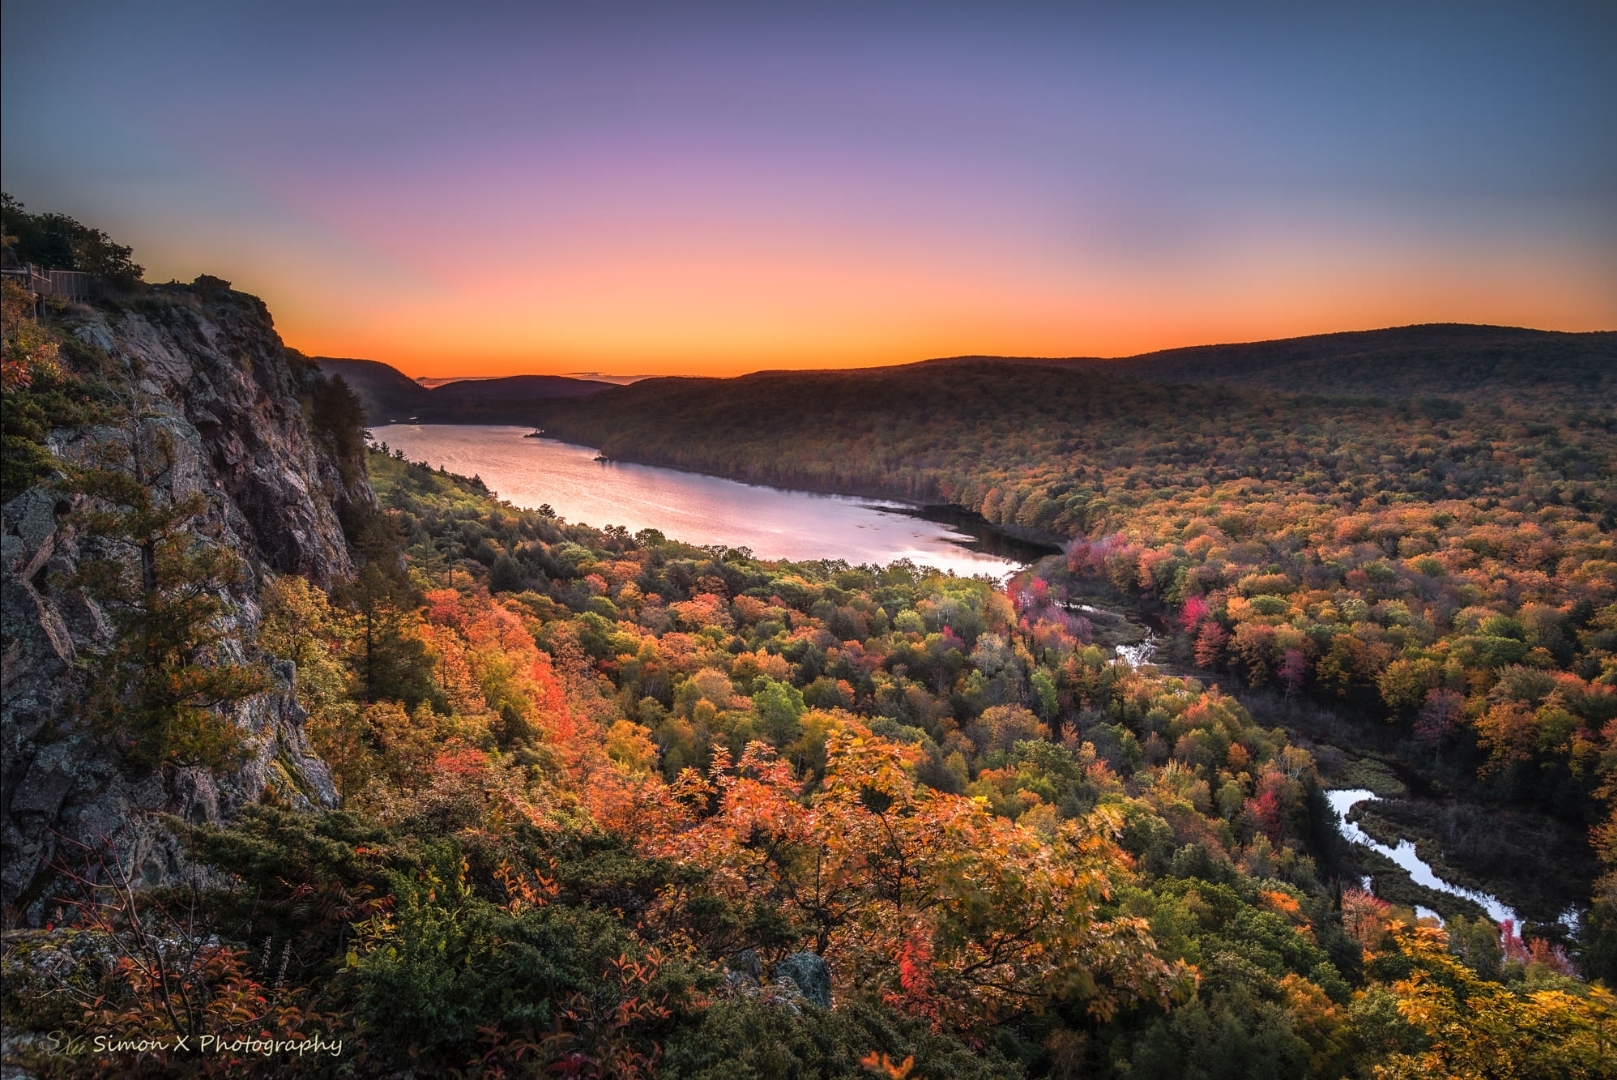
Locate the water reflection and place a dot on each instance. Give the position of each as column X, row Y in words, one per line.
column 1404, row 855
column 692, row 507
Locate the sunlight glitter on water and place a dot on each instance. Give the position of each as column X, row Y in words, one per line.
column 692, row 507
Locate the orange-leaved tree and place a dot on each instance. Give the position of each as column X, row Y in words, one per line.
column 920, row 898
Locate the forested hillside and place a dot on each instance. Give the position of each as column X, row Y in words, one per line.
column 412, row 782
column 1473, row 363
column 389, row 396
column 1442, row 569
column 1072, row 452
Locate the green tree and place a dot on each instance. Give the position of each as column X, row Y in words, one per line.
column 336, row 416
column 58, row 242
column 163, row 686
column 390, row 661
column 780, row 708
column 506, row 575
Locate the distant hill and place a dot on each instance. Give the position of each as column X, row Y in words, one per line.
column 959, row 430
column 1452, row 360
column 386, row 392
column 389, row 395
column 515, row 395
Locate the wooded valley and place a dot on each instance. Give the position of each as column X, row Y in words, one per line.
column 607, row 804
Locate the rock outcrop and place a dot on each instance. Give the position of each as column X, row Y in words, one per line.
column 809, row 974
column 202, row 369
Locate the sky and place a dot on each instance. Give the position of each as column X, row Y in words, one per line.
column 697, row 188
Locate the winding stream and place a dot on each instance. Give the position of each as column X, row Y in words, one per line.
column 1404, row 855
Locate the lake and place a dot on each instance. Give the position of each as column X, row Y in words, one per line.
column 693, row 507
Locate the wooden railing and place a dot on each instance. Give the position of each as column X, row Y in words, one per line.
column 71, row 284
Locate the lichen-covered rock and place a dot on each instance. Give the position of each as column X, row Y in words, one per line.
column 208, row 371
column 810, row 974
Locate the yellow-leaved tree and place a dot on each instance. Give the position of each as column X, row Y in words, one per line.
column 1476, row 1028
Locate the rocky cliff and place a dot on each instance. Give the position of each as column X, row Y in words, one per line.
column 201, row 371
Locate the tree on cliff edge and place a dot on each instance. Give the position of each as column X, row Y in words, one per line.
column 163, row 686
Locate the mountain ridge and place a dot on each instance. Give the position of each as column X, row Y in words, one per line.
column 388, row 395
column 1454, row 360
column 1385, row 356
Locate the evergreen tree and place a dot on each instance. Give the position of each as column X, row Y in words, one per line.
column 164, row 684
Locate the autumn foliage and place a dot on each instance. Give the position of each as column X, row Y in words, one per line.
column 588, row 815
column 617, row 806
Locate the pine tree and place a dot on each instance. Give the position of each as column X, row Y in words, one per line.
column 163, row 686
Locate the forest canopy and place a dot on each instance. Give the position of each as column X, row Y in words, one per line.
column 606, row 795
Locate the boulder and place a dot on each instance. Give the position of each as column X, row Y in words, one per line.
column 809, row 973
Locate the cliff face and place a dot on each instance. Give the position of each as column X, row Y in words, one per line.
column 203, row 373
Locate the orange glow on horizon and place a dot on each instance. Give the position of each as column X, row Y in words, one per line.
column 679, row 282
column 719, row 321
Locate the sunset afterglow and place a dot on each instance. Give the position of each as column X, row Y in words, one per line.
column 625, row 189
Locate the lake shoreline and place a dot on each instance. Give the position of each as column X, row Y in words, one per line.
column 705, row 508
column 994, row 539
column 952, row 513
